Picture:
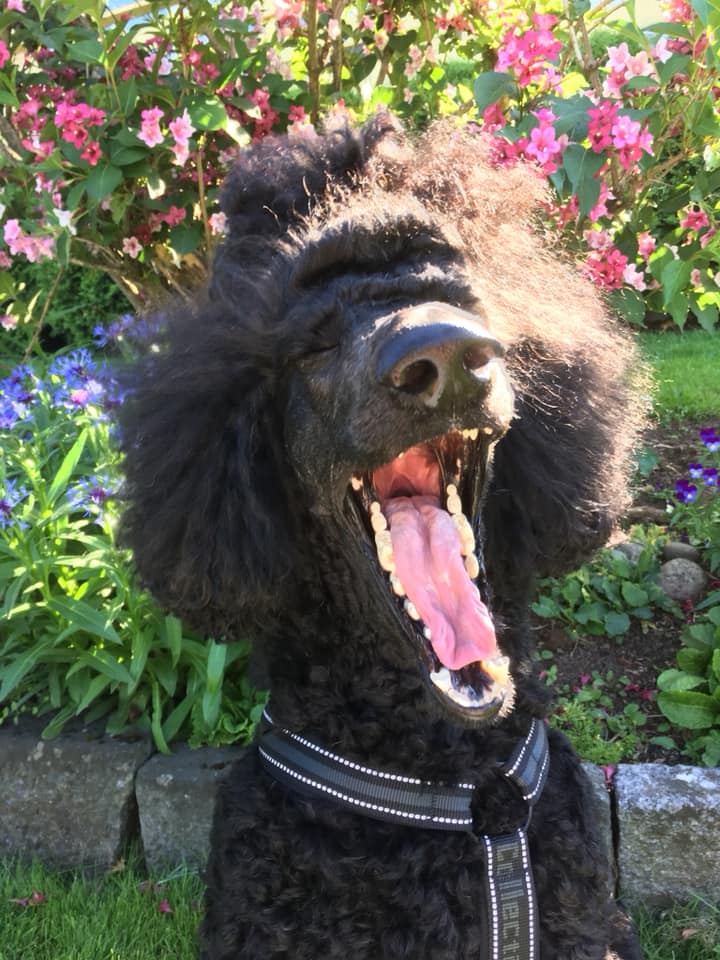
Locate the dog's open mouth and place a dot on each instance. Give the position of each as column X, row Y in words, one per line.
column 417, row 508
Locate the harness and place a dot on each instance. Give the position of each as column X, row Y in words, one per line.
column 310, row 769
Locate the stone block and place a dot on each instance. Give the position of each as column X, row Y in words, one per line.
column 176, row 796
column 70, row 801
column 602, row 813
column 669, row 842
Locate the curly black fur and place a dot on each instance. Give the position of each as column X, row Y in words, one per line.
column 240, row 436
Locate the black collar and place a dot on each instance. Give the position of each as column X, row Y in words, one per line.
column 313, row 770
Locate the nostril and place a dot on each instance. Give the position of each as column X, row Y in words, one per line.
column 417, row 377
column 475, row 358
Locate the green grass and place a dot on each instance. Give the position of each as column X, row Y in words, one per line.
column 686, row 372
column 684, row 932
column 108, row 917
column 113, row 917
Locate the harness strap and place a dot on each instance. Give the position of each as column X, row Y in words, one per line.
column 312, row 770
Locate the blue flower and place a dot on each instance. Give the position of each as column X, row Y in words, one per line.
column 10, row 498
column 695, row 470
column 92, row 494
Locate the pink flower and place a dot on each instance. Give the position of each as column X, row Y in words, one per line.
column 528, row 54
column 5, row 261
column 181, row 128
column 131, row 246
column 4, row 54
column 661, row 51
column 606, row 268
column 333, row 28
column 164, row 68
column 602, row 118
column 696, row 278
column 175, row 215
column 694, row 220
column 625, row 132
column 150, row 127
column 17, row 5
column 544, row 147
column 218, row 224
column 92, row 153
column 634, row 277
column 646, row 244
column 598, row 239
column 7, row 322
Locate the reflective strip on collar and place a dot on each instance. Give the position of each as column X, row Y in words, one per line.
column 512, row 908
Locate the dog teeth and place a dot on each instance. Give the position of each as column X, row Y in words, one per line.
column 427, row 633
column 378, row 522
column 488, row 431
column 356, row 483
column 383, row 543
column 472, row 566
column 498, row 667
column 375, row 507
column 463, row 696
column 470, row 434
column 411, row 610
column 454, row 503
column 467, row 537
column 397, row 587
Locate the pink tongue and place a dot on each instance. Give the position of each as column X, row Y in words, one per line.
column 426, row 546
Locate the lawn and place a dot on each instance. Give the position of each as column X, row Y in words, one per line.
column 686, row 373
column 124, row 916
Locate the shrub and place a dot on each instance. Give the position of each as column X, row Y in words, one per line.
column 79, row 637
column 116, row 133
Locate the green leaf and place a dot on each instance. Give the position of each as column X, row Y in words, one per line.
column 580, row 166
column 702, row 9
column 101, row 182
column 673, row 680
column 616, row 623
column 178, row 716
column 207, row 113
column 186, row 237
column 17, row 669
column 674, row 277
column 173, row 636
column 96, row 686
column 490, row 86
column 86, row 51
column 716, row 663
column 689, row 709
column 217, row 654
column 678, row 310
column 58, row 722
column 81, row 616
column 694, row 662
column 634, row 595
column 65, row 471
column 122, row 155
column 156, row 721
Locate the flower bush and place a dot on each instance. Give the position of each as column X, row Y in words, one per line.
column 115, row 133
column 630, row 140
column 79, row 637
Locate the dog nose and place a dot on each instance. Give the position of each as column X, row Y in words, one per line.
column 438, row 352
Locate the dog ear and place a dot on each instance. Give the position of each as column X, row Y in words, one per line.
column 206, row 509
column 560, row 474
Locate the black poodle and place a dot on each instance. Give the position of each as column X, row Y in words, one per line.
column 394, row 408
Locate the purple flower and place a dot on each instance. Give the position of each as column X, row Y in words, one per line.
column 710, row 476
column 695, row 470
column 9, row 499
column 686, row 492
column 115, row 331
column 710, row 438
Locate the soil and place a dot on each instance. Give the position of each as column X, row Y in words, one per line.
column 650, row 646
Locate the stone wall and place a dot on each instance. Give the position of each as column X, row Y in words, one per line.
column 80, row 799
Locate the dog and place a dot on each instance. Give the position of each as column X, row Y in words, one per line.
column 396, row 405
